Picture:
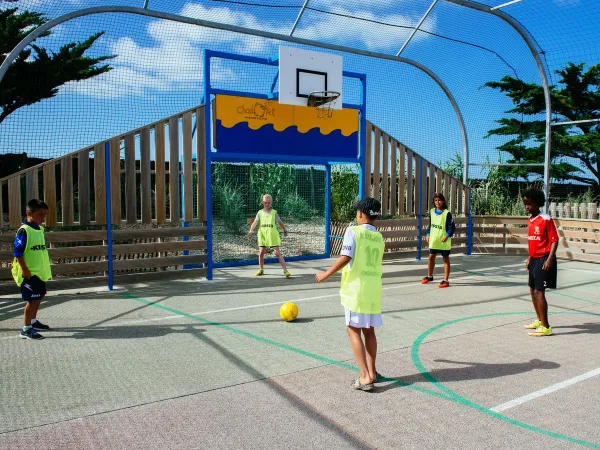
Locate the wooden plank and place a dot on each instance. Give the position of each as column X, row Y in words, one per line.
column 447, row 187
column 115, row 181
column 79, row 267
column 31, row 185
column 175, row 214
column 393, row 178
column 384, row 173
column 459, row 195
column 83, row 191
column 396, row 223
column 401, row 244
column 439, row 176
column 159, row 173
column 150, row 263
column 418, row 186
column 130, row 180
column 467, row 206
column 201, row 163
column 158, row 232
column 401, row 179
column 1, row 205
column 15, row 213
column 499, row 220
column 99, row 185
column 49, row 174
column 145, row 176
column 588, row 224
column 431, row 184
column 368, row 177
column 452, row 196
column 392, row 234
column 66, row 190
column 573, row 234
column 410, row 203
column 188, row 193
column 376, row 163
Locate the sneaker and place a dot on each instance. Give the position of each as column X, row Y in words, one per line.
column 37, row 325
column 287, row 274
column 426, row 280
column 534, row 325
column 541, row 331
column 259, row 273
column 31, row 334
column 444, row 284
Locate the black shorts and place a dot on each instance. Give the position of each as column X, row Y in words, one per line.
column 444, row 253
column 540, row 279
column 33, row 289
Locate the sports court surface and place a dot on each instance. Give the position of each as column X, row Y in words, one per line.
column 197, row 364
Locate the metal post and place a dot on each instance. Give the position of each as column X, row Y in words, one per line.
column 208, row 173
column 420, row 218
column 417, row 27
column 469, row 227
column 299, row 17
column 328, row 210
column 109, row 257
column 362, row 146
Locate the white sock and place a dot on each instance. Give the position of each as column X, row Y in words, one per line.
column 34, row 321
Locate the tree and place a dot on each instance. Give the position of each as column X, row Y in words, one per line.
column 577, row 97
column 32, row 78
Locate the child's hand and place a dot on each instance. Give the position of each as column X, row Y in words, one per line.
column 547, row 265
column 427, row 239
column 285, row 233
column 26, row 273
column 444, row 239
column 321, row 276
column 527, row 265
column 249, row 234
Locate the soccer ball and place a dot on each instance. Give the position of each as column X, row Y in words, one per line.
column 288, row 311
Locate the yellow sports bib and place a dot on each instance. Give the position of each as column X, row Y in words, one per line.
column 437, row 231
column 35, row 255
column 268, row 236
column 360, row 290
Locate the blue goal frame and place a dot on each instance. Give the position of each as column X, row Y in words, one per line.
column 220, row 156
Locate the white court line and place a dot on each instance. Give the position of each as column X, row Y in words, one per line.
column 582, row 270
column 548, row 390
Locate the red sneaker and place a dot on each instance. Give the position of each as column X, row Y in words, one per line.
column 426, row 280
column 444, row 284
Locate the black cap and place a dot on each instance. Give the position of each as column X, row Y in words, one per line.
column 368, row 206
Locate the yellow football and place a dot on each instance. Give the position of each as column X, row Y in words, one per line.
column 288, row 311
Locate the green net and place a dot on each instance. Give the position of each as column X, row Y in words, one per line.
column 298, row 193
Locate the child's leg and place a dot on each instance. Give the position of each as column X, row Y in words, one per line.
column 542, row 307
column 280, row 258
column 31, row 309
column 446, row 267
column 261, row 257
column 535, row 303
column 371, row 347
column 431, row 265
column 359, row 353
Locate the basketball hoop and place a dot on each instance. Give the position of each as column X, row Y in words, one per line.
column 323, row 101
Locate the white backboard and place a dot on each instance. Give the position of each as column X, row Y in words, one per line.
column 303, row 71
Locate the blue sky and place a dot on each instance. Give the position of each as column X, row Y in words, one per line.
column 158, row 70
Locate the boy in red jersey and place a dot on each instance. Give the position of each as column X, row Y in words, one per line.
column 541, row 264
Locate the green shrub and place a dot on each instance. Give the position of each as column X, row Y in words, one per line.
column 296, row 207
column 228, row 206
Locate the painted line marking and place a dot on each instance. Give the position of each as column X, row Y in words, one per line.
column 545, row 391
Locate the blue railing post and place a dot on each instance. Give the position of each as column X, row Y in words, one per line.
column 363, row 177
column 420, row 213
column 208, row 173
column 108, row 203
column 469, row 227
column 328, row 210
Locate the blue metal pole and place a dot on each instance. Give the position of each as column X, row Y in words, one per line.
column 108, row 204
column 208, row 173
column 327, row 209
column 362, row 150
column 469, row 227
column 420, row 218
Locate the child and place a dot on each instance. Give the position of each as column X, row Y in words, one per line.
column 360, row 290
column 541, row 264
column 31, row 266
column 439, row 236
column 268, row 236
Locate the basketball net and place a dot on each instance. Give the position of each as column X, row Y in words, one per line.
column 323, row 101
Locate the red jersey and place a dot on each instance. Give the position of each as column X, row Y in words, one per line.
column 542, row 233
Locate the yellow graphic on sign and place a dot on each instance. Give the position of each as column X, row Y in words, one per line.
column 257, row 113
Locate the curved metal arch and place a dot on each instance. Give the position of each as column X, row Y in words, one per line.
column 524, row 33
column 236, row 29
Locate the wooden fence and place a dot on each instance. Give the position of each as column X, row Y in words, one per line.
column 579, row 239
column 398, row 182
column 142, row 191
column 574, row 210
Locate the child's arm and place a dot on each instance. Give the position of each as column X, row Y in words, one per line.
column 281, row 224
column 339, row 264
column 450, row 227
column 252, row 227
column 553, row 236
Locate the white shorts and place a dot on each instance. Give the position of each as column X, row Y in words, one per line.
column 361, row 320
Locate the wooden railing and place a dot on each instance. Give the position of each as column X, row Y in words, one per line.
column 142, row 191
column 399, row 183
column 579, row 239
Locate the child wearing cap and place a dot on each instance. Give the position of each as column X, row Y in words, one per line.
column 360, row 290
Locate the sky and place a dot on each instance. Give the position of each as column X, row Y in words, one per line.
column 157, row 70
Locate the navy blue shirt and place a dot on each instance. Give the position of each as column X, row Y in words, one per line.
column 21, row 239
column 450, row 227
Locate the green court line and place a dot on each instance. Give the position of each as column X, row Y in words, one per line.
column 551, row 292
column 470, row 404
column 278, row 344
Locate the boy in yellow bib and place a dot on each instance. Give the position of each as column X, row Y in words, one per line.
column 31, row 267
column 439, row 236
column 268, row 236
column 360, row 290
